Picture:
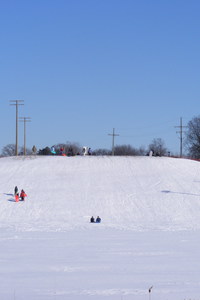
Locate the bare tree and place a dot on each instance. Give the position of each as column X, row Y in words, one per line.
column 121, row 150
column 158, row 147
column 28, row 151
column 8, row 150
column 101, row 152
column 126, row 150
column 142, row 151
column 192, row 141
column 70, row 149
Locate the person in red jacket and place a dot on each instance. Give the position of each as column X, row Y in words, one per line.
column 22, row 195
column 17, row 197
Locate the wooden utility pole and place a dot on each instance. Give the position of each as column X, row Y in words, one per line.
column 16, row 103
column 113, row 141
column 25, row 120
column 181, row 136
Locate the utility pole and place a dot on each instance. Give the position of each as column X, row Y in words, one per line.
column 16, row 103
column 25, row 120
column 113, row 140
column 181, row 136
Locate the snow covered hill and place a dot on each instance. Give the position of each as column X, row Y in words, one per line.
column 149, row 235
column 137, row 193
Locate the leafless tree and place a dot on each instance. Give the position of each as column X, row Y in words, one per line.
column 99, row 152
column 158, row 147
column 126, row 150
column 8, row 150
column 121, row 150
column 192, row 140
column 28, row 151
column 70, row 149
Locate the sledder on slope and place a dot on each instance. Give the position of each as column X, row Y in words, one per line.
column 98, row 220
column 22, row 195
column 92, row 220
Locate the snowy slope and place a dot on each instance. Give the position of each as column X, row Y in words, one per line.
column 138, row 193
column 149, row 235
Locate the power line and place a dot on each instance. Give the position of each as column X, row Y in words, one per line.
column 25, row 120
column 113, row 140
column 181, row 136
column 16, row 103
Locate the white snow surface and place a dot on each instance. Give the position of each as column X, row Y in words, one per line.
column 149, row 235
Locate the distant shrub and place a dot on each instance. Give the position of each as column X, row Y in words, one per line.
column 8, row 150
column 101, row 152
column 45, row 151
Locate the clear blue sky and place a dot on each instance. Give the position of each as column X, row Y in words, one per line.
column 84, row 67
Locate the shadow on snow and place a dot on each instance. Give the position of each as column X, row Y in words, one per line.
column 181, row 193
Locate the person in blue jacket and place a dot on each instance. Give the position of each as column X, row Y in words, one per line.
column 98, row 220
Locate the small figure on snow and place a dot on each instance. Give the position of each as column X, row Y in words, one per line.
column 61, row 151
column 53, row 151
column 98, row 220
column 22, row 195
column 92, row 220
column 151, row 153
column 34, row 150
column 85, row 150
column 16, row 190
column 17, row 197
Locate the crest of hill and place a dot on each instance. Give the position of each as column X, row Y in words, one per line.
column 133, row 193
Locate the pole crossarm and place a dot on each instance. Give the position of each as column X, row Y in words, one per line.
column 19, row 102
column 25, row 119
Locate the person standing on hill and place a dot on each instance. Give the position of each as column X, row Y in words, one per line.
column 16, row 190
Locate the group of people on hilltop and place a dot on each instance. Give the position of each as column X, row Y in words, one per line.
column 20, row 196
column 98, row 220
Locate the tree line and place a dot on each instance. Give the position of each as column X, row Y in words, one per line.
column 71, row 149
column 156, row 147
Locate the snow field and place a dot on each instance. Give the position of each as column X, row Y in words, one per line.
column 148, row 235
